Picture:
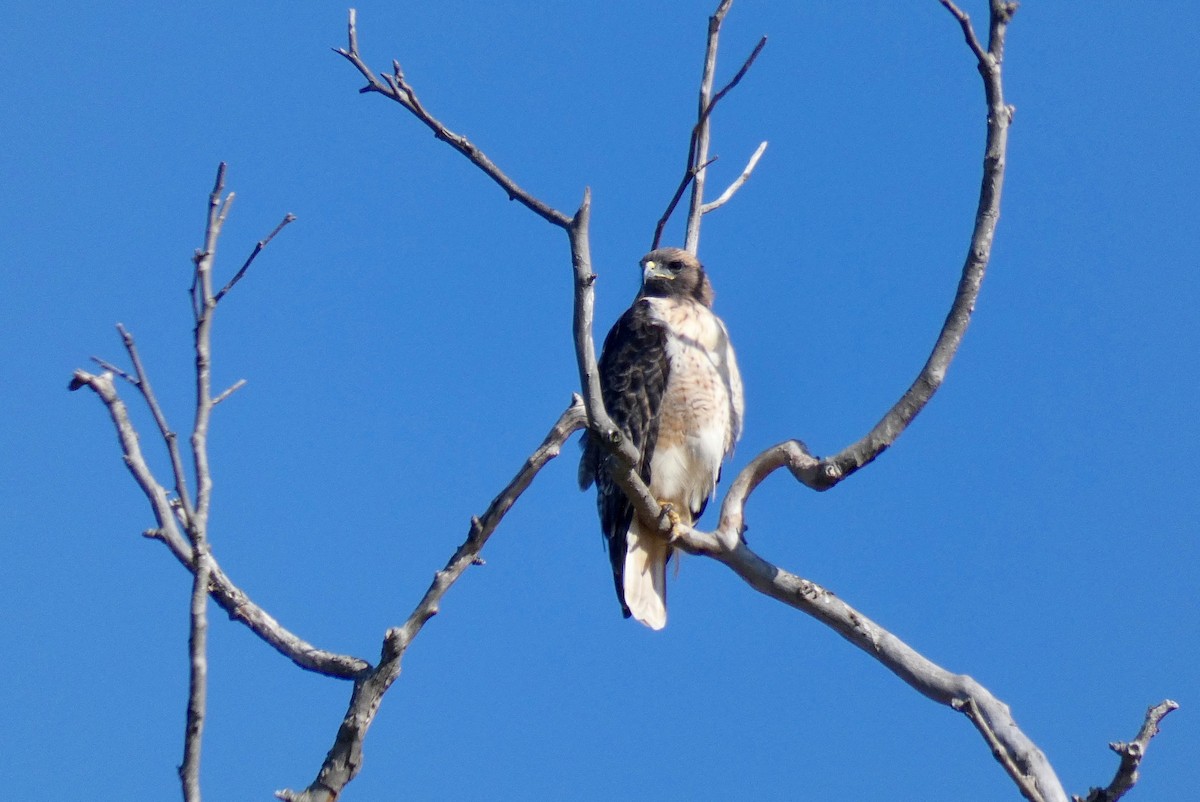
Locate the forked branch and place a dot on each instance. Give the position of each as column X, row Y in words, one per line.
column 397, row 88
column 1131, row 755
column 698, row 143
column 166, row 510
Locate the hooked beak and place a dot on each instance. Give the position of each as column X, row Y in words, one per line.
column 653, row 270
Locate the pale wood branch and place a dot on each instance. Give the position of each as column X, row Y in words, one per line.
column 233, row 388
column 177, row 523
column 197, row 704
column 344, row 759
column 729, row 192
column 698, row 143
column 160, row 419
column 1014, row 750
column 205, row 303
column 702, row 133
column 839, row 466
column 228, row 596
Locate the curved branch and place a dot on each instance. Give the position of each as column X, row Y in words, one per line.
column 837, row 467
column 344, row 759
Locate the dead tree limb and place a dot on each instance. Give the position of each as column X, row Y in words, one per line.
column 695, row 171
column 397, row 88
column 999, row 117
column 344, row 759
column 1131, row 755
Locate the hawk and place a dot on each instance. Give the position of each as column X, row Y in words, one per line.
column 671, row 385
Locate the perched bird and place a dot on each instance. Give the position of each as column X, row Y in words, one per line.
column 671, row 384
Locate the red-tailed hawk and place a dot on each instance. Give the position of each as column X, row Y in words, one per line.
column 671, row 384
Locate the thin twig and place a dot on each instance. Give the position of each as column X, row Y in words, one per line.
column 237, row 385
column 737, row 78
column 968, row 30
column 105, row 365
column 684, row 183
column 262, row 243
column 160, row 419
column 737, row 183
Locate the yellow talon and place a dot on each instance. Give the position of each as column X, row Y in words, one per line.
column 668, row 509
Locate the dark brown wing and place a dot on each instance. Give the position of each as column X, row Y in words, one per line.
column 633, row 378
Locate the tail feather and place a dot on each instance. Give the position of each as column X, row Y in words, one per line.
column 645, row 577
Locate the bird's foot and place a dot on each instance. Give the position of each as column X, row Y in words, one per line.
column 668, row 510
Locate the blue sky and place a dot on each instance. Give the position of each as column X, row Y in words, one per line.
column 406, row 345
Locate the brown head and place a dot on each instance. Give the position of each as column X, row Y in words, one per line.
column 675, row 273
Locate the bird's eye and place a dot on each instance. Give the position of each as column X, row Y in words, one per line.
column 675, row 267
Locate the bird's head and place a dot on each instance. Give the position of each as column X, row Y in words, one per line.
column 675, row 273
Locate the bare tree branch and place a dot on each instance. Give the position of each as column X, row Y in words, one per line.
column 168, row 435
column 205, row 302
column 725, row 196
column 197, row 706
column 1004, row 756
column 684, row 183
column 1013, row 749
column 262, row 243
column 345, row 757
column 224, row 592
column 698, row 155
column 1131, row 754
column 233, row 388
column 394, row 86
column 176, row 521
column 698, row 143
column 109, row 367
column 837, row 467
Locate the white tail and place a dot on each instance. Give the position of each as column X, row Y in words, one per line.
column 646, row 577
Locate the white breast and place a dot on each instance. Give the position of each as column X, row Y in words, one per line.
column 701, row 414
